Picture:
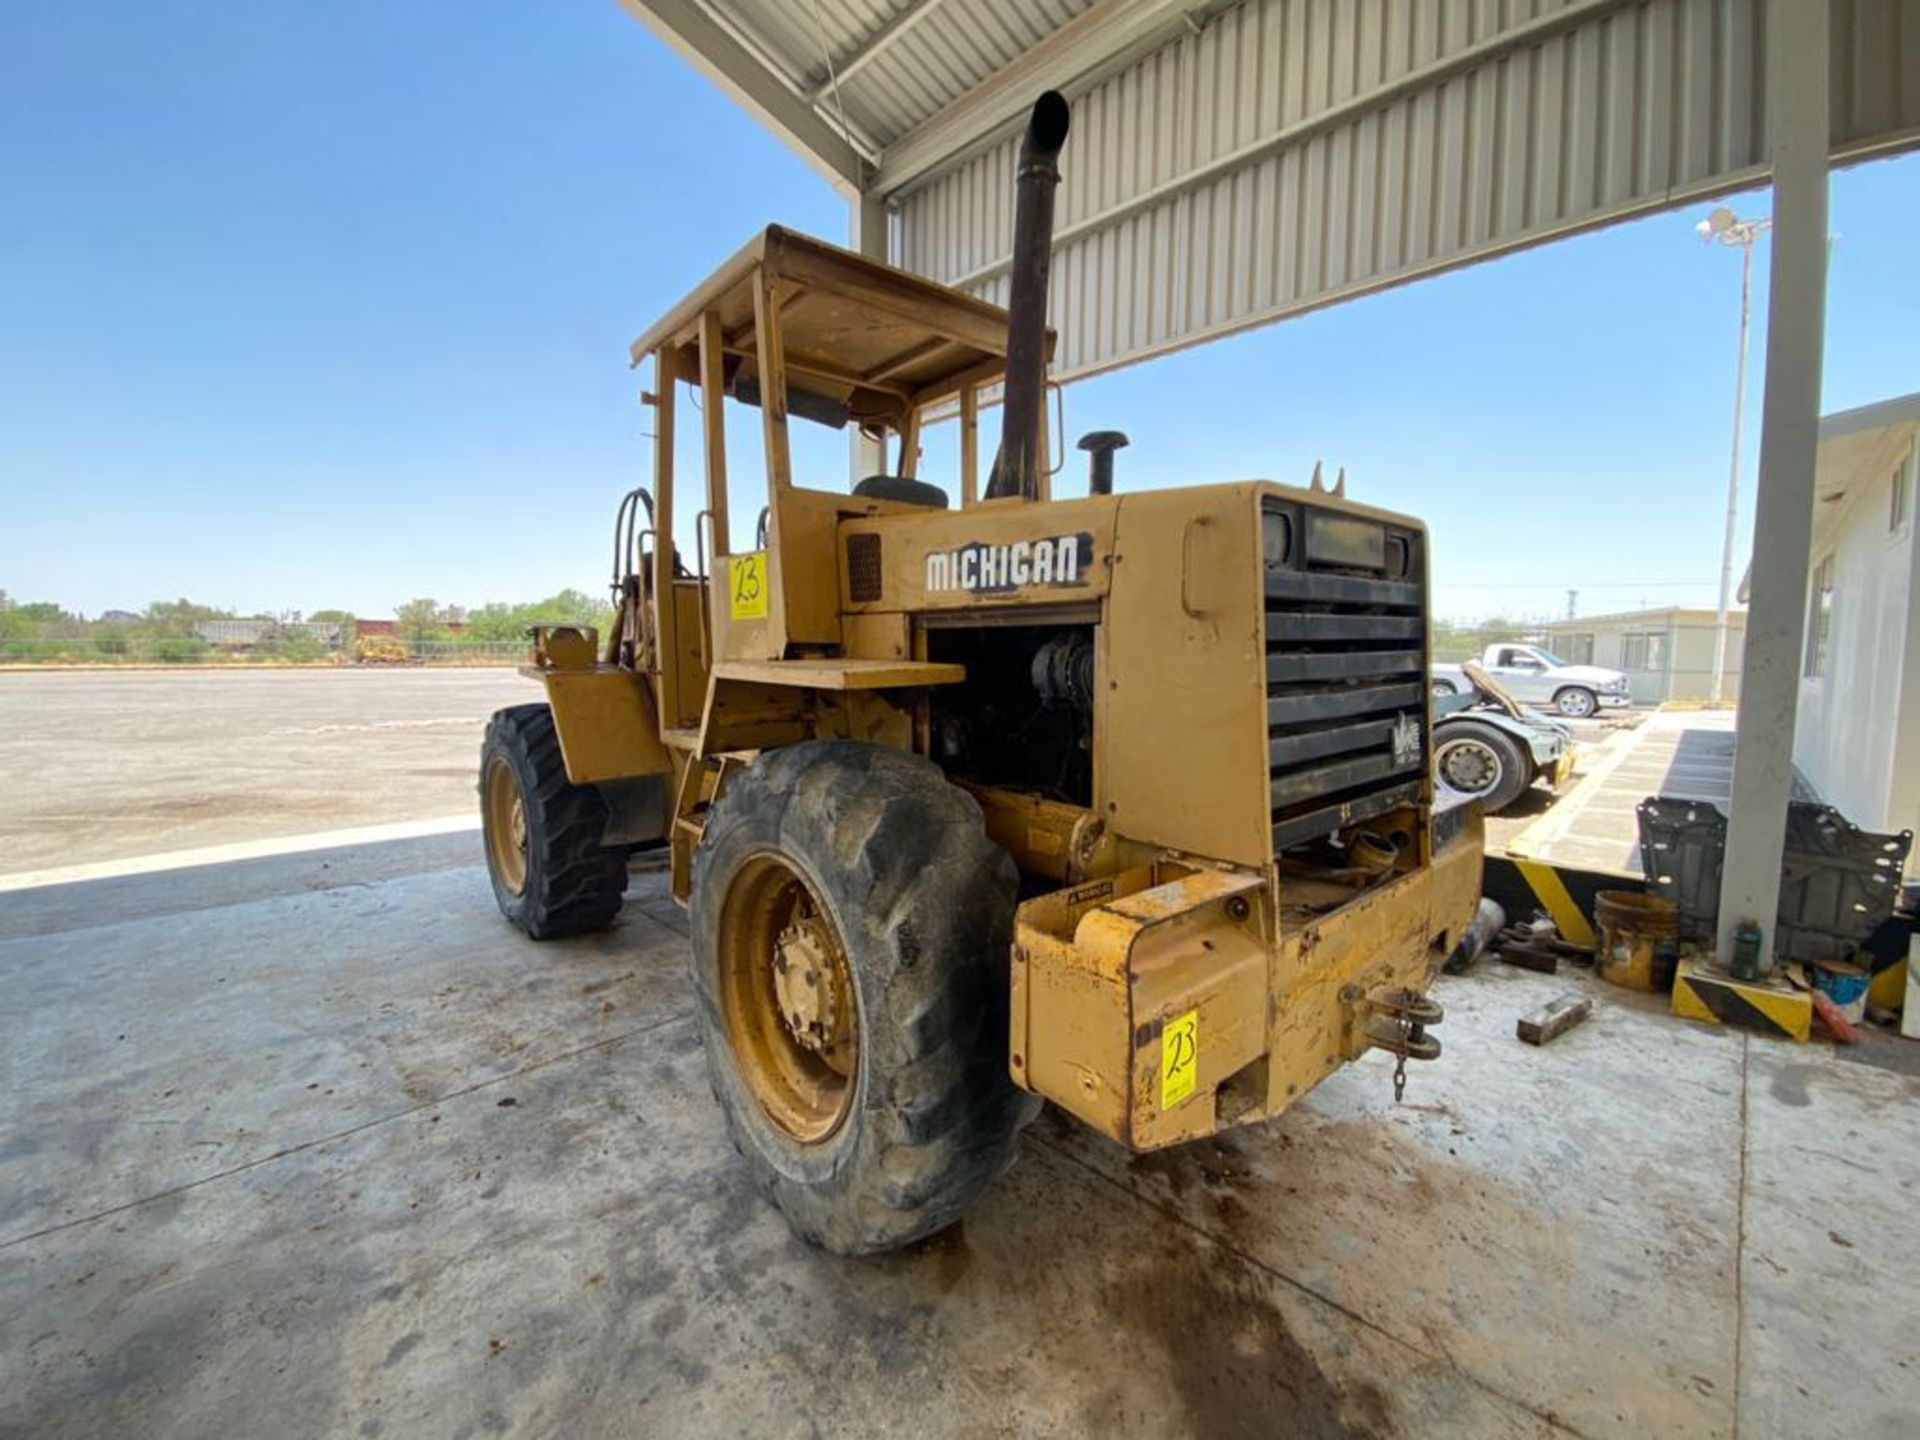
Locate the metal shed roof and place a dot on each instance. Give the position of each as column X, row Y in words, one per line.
column 879, row 93
column 1237, row 161
column 890, row 66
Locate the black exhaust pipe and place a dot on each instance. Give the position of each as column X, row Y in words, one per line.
column 1100, row 445
column 1017, row 467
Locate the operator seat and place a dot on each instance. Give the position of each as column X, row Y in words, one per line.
column 902, row 489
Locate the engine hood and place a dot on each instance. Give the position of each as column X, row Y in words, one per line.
column 1590, row 674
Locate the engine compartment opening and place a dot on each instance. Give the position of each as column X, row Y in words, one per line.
column 1023, row 720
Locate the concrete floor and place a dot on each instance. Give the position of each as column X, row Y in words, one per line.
column 312, row 1143
column 108, row 764
column 316, row 1145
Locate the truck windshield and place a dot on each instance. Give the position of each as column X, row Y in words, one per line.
column 1553, row 661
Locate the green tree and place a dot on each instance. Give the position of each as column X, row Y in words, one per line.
column 498, row 623
column 573, row 607
column 422, row 622
column 37, row 620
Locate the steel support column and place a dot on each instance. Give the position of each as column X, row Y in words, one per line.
column 1797, row 83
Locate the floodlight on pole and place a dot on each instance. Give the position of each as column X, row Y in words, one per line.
column 1724, row 227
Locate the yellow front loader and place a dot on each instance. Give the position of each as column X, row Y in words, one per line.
column 1122, row 801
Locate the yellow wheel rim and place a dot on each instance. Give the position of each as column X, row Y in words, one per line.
column 786, row 993
column 505, row 815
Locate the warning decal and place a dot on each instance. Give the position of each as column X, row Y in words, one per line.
column 747, row 585
column 1179, row 1058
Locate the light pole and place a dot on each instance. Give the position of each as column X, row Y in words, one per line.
column 1726, row 228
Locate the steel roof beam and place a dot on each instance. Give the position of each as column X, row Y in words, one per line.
column 872, row 48
column 1483, row 52
column 733, row 60
column 1092, row 44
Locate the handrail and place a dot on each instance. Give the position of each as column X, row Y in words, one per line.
column 701, row 539
column 1186, row 566
column 644, row 659
column 624, row 519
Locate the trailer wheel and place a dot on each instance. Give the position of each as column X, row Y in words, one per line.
column 1483, row 762
column 1576, row 702
column 551, row 875
column 851, row 930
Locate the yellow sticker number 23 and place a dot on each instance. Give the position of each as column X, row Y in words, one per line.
column 1179, row 1058
column 747, row 585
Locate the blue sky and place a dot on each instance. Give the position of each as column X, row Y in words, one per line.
column 327, row 305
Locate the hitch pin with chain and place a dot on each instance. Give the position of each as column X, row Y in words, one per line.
column 1400, row 1058
column 1397, row 1020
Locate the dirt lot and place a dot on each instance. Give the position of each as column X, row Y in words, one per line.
column 106, row 765
column 109, row 764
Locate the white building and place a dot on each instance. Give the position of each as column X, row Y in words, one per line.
column 1666, row 653
column 1858, row 735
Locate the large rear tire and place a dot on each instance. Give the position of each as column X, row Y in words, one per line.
column 852, row 927
column 551, row 875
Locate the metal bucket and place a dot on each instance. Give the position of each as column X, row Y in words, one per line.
column 1634, row 930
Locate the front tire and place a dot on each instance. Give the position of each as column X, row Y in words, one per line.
column 852, row 927
column 551, row 875
column 1576, row 703
column 1482, row 762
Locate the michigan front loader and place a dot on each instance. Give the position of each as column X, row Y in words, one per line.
column 1122, row 801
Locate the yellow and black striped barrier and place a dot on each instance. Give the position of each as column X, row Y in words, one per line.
column 1566, row 896
column 1702, row 993
column 1523, row 886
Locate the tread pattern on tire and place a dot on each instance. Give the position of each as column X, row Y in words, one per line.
column 575, row 884
column 924, row 903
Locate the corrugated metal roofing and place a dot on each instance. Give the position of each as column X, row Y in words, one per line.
column 940, row 50
column 1276, row 155
column 1296, row 152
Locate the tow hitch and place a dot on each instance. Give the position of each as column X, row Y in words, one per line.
column 1396, row 1020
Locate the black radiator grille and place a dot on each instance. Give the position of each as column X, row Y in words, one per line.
column 1346, row 658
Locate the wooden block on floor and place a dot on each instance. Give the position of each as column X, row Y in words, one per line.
column 1544, row 962
column 1556, row 1017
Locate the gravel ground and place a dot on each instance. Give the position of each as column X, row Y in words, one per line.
column 105, row 765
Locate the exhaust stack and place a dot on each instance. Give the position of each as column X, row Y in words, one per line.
column 1017, row 466
column 1100, row 445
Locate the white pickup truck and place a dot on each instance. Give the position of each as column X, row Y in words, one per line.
column 1539, row 677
